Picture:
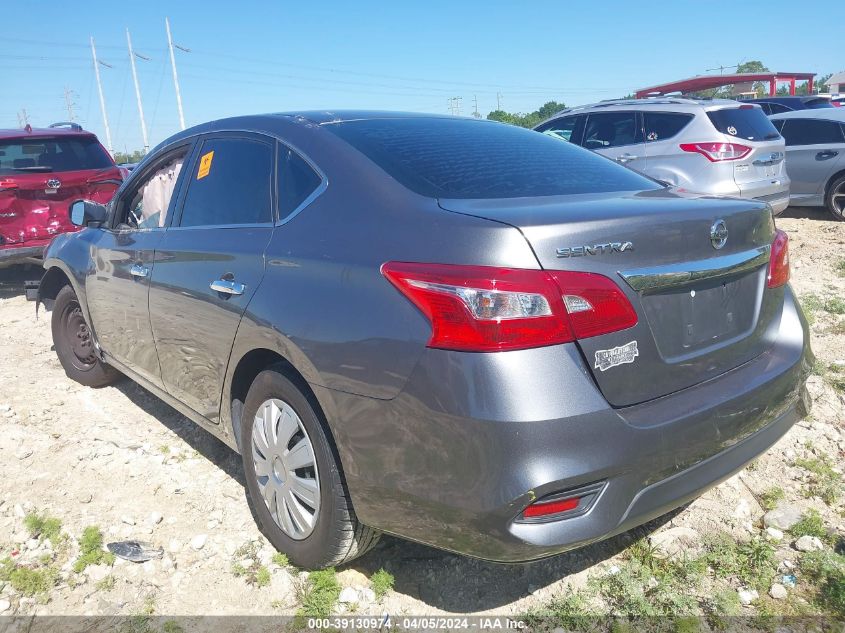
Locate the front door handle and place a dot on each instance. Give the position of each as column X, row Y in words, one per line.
column 626, row 158
column 228, row 286
column 828, row 153
column 139, row 271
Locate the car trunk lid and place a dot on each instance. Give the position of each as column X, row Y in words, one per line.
column 702, row 310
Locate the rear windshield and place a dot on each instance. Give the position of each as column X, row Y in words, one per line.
column 463, row 158
column 43, row 155
column 746, row 122
column 820, row 102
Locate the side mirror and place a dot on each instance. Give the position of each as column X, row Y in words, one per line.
column 87, row 213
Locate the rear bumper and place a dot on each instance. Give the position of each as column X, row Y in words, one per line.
column 18, row 254
column 475, row 438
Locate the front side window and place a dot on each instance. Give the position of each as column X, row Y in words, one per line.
column 561, row 128
column 146, row 203
column 662, row 125
column 46, row 155
column 611, row 129
column 811, row 132
column 297, row 180
column 230, row 184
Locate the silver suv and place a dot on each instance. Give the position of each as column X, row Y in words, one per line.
column 711, row 146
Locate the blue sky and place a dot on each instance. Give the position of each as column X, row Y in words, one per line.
column 251, row 57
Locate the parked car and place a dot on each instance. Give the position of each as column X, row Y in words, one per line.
column 41, row 172
column 418, row 325
column 815, row 150
column 776, row 105
column 716, row 147
column 837, row 102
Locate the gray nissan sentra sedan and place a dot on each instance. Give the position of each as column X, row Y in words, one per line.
column 459, row 332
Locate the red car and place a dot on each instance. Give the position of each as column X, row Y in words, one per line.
column 41, row 172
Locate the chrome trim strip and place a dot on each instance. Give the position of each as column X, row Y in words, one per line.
column 675, row 275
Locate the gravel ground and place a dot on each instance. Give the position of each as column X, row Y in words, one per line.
column 120, row 459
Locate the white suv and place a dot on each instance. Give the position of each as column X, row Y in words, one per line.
column 711, row 146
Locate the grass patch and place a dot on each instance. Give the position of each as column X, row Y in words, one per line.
column 262, row 577
column 106, row 584
column 638, row 591
column 826, row 570
column 834, row 305
column 811, row 524
column 319, row 593
column 280, row 559
column 571, row 611
column 382, row 582
column 810, row 305
column 752, row 562
column 839, row 267
column 42, row 527
column 91, row 550
column 825, row 483
column 769, row 498
column 29, row 581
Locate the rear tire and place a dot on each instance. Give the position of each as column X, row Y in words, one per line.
column 834, row 198
column 74, row 343
column 287, row 452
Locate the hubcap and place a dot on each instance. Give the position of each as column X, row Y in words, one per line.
column 838, row 200
column 285, row 468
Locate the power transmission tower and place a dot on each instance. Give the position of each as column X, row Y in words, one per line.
column 498, row 100
column 475, row 112
column 102, row 98
column 175, row 76
column 70, row 104
column 138, row 91
column 23, row 118
column 457, row 102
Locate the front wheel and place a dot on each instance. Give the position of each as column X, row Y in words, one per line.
column 294, row 483
column 834, row 199
column 74, row 343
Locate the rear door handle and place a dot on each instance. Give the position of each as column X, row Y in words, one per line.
column 626, row 158
column 139, row 271
column 828, row 153
column 228, row 286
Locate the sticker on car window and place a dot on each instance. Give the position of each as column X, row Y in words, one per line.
column 205, row 165
column 607, row 358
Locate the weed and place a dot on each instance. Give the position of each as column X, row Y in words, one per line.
column 753, row 562
column 106, row 584
column 811, row 304
column 769, row 498
column 42, row 527
column 319, row 593
column 825, row 482
column 811, row 524
column 30, row 581
column 91, row 550
column 839, row 267
column 262, row 577
column 172, row 626
column 570, row 611
column 834, row 305
column 819, row 368
column 382, row 582
column 726, row 602
column 280, row 559
column 164, row 449
column 635, row 590
column 826, row 570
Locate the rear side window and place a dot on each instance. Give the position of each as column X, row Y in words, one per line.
column 463, row 158
column 297, row 181
column 230, row 184
column 775, row 108
column 44, row 155
column 811, row 132
column 663, row 125
column 746, row 122
column 611, row 129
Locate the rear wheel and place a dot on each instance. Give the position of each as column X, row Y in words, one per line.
column 296, row 489
column 834, row 199
column 74, row 343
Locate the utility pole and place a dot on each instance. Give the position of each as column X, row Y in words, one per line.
column 175, row 76
column 498, row 100
column 102, row 98
column 138, row 92
column 69, row 104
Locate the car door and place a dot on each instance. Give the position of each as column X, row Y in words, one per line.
column 123, row 260
column 209, row 264
column 814, row 151
column 617, row 135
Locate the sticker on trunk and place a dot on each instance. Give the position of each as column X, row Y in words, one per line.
column 607, row 358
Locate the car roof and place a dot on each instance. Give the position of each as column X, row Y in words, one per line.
column 827, row 114
column 786, row 99
column 35, row 132
column 675, row 104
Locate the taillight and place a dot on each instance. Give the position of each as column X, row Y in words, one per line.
column 716, row 152
column 545, row 508
column 488, row 309
column 779, row 261
column 8, row 185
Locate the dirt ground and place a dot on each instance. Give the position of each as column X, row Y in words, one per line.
column 120, row 459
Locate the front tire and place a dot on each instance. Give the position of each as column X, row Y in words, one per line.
column 295, row 487
column 74, row 343
column 834, row 199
